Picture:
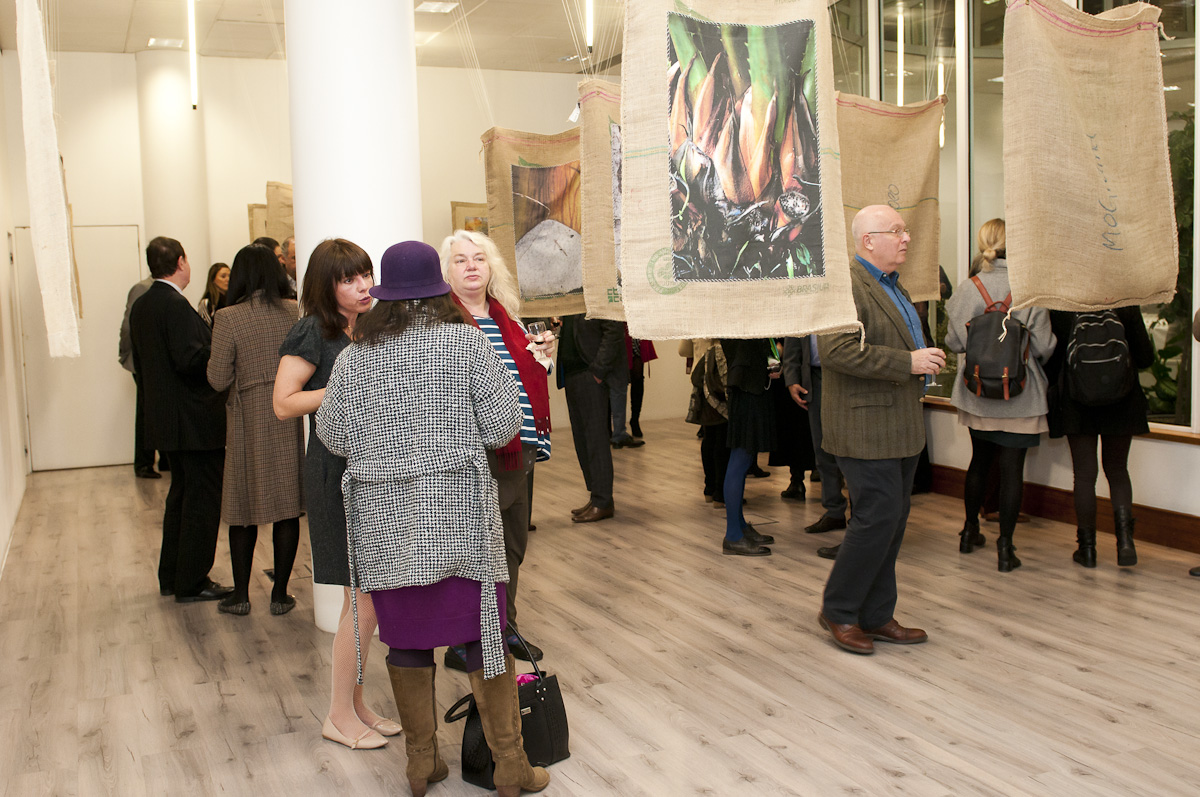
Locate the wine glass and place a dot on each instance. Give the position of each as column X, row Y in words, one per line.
column 538, row 329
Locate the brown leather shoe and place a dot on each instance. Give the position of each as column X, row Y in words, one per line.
column 847, row 636
column 896, row 634
column 592, row 514
column 582, row 509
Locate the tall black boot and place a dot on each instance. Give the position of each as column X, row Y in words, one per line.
column 970, row 537
column 1086, row 554
column 1006, row 558
column 1126, row 553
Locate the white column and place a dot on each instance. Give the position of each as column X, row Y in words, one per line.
column 356, row 171
column 174, row 165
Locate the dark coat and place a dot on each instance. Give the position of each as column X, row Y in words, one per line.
column 600, row 344
column 871, row 402
column 171, row 346
column 1125, row 417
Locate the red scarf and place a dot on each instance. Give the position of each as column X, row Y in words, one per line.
column 533, row 377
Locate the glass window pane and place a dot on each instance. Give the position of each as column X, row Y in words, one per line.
column 848, row 19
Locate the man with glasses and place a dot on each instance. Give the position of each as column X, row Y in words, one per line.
column 874, row 427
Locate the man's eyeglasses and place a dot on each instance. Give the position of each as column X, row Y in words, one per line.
column 903, row 231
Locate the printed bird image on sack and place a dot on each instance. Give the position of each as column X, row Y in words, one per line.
column 997, row 350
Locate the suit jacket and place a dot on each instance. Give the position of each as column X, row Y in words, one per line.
column 871, row 400
column 124, row 344
column 797, row 362
column 171, row 347
column 600, row 343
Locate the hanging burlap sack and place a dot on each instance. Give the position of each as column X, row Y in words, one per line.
column 257, row 217
column 1087, row 178
column 534, row 216
column 600, row 163
column 732, row 222
column 890, row 157
column 280, row 224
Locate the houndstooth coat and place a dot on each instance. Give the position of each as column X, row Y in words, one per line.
column 263, row 455
column 414, row 417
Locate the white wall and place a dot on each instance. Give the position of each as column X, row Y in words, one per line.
column 13, row 466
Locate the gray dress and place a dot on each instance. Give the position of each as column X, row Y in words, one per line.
column 322, row 470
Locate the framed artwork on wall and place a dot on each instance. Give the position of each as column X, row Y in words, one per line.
column 470, row 216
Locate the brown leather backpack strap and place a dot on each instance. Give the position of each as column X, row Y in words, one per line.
column 987, row 297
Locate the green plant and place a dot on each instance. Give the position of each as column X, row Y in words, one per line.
column 1170, row 393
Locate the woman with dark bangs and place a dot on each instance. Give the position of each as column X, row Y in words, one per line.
column 333, row 296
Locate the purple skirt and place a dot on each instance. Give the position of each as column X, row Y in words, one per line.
column 433, row 616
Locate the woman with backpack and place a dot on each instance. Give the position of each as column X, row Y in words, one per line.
column 1005, row 416
column 1095, row 398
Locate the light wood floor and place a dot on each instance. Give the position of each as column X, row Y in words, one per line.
column 685, row 671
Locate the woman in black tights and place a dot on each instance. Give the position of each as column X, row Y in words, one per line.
column 1111, row 426
column 1002, row 430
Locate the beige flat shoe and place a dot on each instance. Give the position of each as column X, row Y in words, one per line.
column 387, row 727
column 367, row 740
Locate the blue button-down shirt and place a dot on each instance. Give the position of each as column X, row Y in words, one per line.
column 907, row 311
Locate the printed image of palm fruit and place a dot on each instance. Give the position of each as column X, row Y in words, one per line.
column 744, row 180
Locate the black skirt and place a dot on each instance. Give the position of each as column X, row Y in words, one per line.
column 751, row 420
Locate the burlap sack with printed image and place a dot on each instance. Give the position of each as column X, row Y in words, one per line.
column 1087, row 178
column 599, row 162
column 890, row 156
column 534, row 216
column 761, row 251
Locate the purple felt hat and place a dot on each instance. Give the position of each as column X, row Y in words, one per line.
column 410, row 270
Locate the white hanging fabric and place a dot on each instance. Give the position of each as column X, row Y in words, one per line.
column 49, row 223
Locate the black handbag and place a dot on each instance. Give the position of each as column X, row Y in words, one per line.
column 543, row 728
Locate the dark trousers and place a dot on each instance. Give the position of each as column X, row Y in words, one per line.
column 143, row 456
column 512, row 487
column 192, row 520
column 587, row 407
column 832, row 499
column 861, row 589
column 714, row 455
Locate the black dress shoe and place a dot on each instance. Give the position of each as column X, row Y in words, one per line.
column 166, row 592
column 146, row 473
column 743, row 547
column 829, row 553
column 794, row 492
column 518, row 650
column 825, row 524
column 1195, row 571
column 627, row 442
column 751, row 533
column 212, row 592
column 758, row 472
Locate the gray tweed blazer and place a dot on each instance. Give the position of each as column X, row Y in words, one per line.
column 871, row 401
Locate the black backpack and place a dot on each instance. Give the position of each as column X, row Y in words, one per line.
column 997, row 348
column 1099, row 366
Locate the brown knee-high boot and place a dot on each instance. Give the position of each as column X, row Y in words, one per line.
column 500, row 712
column 413, row 689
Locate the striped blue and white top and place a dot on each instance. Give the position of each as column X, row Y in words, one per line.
column 529, row 433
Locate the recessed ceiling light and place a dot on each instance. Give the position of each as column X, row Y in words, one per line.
column 156, row 42
column 429, row 7
column 1170, row 88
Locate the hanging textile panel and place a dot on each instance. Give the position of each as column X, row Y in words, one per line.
column 600, row 165
column 257, row 217
column 1087, row 178
column 730, row 166
column 280, row 224
column 49, row 217
column 535, row 218
column 890, row 156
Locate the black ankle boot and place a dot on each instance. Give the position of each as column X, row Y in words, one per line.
column 1086, row 554
column 1006, row 558
column 1126, row 553
column 970, row 538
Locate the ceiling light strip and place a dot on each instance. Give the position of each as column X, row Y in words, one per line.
column 191, row 17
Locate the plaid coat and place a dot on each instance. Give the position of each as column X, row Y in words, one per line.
column 414, row 416
column 871, row 400
column 264, row 456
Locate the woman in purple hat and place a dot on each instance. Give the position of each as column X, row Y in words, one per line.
column 414, row 404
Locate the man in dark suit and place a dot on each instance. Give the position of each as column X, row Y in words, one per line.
column 590, row 351
column 874, row 425
column 802, row 373
column 184, row 417
column 143, row 457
